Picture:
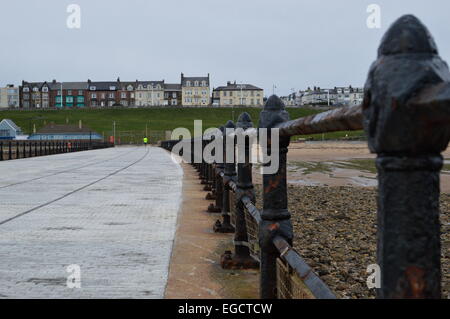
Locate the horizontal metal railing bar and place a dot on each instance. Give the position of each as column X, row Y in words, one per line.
column 251, row 208
column 341, row 119
column 318, row 288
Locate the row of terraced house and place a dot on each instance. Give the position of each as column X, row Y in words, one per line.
column 191, row 91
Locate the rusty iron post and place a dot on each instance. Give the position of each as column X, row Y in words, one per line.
column 203, row 176
column 276, row 219
column 211, row 177
column 242, row 258
column 406, row 113
column 219, row 166
column 229, row 175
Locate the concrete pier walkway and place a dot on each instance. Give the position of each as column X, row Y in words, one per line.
column 112, row 212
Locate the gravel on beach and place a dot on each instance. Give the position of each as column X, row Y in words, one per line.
column 335, row 232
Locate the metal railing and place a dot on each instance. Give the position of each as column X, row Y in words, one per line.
column 406, row 117
column 17, row 149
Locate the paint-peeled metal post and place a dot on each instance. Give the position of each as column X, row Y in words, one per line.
column 276, row 219
column 406, row 113
column 229, row 175
column 241, row 258
column 219, row 166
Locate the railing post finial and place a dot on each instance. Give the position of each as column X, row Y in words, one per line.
column 407, row 121
column 275, row 215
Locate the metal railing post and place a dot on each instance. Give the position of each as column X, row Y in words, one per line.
column 10, row 150
column 229, row 174
column 242, row 258
column 219, row 166
column 406, row 121
column 1, row 151
column 276, row 219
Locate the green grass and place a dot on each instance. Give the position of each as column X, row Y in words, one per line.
column 157, row 119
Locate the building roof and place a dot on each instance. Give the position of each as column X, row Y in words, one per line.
column 103, row 85
column 12, row 124
column 184, row 79
column 149, row 84
column 69, row 85
column 233, row 87
column 64, row 128
column 172, row 87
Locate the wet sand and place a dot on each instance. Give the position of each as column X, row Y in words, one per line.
column 337, row 164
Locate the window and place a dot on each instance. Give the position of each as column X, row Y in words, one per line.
column 26, row 96
column 26, row 89
column 69, row 99
column 174, row 95
column 110, row 103
column 124, row 102
column 188, row 83
column 80, row 92
column 45, row 96
column 196, row 83
column 203, row 83
column 103, row 95
column 80, row 99
column 45, row 89
column 111, row 95
column 204, row 92
column 26, row 104
column 123, row 95
column 92, row 88
column 69, row 92
column 93, row 103
column 112, row 88
column 93, row 95
column 35, row 89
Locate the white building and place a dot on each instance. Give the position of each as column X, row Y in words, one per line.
column 149, row 93
column 9, row 96
column 338, row 96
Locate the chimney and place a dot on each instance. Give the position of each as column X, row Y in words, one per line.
column 54, row 81
column 80, row 125
column 228, row 83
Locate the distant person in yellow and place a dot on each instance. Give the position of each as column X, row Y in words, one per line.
column 145, row 141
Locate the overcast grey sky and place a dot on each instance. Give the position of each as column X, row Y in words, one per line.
column 290, row 43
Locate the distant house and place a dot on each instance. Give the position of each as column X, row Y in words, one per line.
column 65, row 132
column 9, row 130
